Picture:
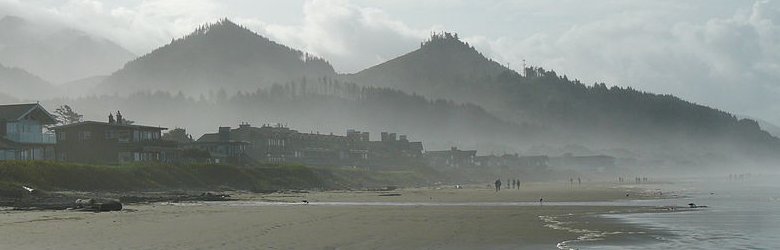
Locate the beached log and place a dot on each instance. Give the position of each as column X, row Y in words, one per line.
column 85, row 203
column 104, row 205
column 109, row 205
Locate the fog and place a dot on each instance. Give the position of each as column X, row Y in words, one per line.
column 510, row 124
column 445, row 93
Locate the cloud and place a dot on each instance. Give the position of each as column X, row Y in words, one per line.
column 352, row 36
column 708, row 51
column 140, row 27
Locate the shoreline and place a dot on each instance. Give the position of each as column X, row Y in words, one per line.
column 493, row 220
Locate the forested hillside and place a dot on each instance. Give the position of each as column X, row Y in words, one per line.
column 663, row 126
column 217, row 56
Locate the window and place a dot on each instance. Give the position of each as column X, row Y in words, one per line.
column 111, row 134
column 12, row 128
column 124, row 136
column 147, row 135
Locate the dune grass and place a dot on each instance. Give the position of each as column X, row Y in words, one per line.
column 49, row 175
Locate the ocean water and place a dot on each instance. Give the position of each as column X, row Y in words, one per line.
column 741, row 214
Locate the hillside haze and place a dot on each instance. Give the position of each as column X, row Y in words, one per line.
column 223, row 74
column 55, row 53
column 219, row 56
column 18, row 83
column 652, row 126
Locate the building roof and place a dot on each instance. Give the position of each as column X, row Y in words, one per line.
column 208, row 138
column 214, row 138
column 7, row 144
column 94, row 123
column 456, row 152
column 15, row 112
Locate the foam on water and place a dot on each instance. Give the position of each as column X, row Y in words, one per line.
column 741, row 215
column 409, row 204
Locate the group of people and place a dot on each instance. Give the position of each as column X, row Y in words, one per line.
column 637, row 180
column 739, row 177
column 511, row 183
column 579, row 181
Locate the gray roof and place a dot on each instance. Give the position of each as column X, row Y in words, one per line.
column 7, row 144
column 208, row 138
column 16, row 112
column 214, row 138
column 85, row 123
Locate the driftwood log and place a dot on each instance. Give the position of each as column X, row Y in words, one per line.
column 102, row 205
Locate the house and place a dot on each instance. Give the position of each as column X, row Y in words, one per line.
column 221, row 148
column 394, row 151
column 22, row 135
column 453, row 158
column 115, row 141
column 281, row 144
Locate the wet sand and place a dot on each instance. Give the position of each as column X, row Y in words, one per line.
column 278, row 225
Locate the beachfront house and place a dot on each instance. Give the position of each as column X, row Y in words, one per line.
column 221, row 148
column 453, row 158
column 22, row 132
column 115, row 141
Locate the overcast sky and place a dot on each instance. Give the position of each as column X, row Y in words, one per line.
column 721, row 53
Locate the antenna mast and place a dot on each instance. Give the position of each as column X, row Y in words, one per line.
column 524, row 74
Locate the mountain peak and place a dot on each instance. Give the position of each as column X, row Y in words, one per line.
column 216, row 55
column 443, row 62
column 222, row 24
column 444, row 39
column 12, row 22
column 12, row 19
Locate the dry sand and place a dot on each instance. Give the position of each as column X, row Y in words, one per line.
column 245, row 225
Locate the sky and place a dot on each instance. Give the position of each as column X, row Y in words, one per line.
column 720, row 53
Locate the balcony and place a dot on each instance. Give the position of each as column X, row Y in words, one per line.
column 34, row 138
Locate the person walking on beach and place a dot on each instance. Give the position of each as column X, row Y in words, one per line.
column 498, row 184
column 540, row 201
column 579, row 181
column 518, row 184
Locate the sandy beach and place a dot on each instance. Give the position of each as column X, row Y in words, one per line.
column 418, row 218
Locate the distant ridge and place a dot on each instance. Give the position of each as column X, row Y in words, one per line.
column 441, row 63
column 21, row 84
column 57, row 54
column 595, row 115
column 537, row 107
column 218, row 56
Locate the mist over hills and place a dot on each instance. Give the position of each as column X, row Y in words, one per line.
column 323, row 105
column 217, row 56
column 57, row 54
column 223, row 74
column 594, row 115
column 19, row 83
